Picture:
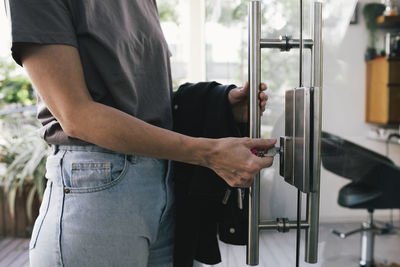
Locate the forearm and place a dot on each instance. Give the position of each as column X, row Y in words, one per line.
column 115, row 130
column 63, row 88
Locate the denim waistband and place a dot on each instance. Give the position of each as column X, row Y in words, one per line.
column 92, row 148
column 88, row 148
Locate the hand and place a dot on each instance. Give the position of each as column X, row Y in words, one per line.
column 238, row 100
column 234, row 162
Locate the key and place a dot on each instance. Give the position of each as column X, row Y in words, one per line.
column 240, row 198
column 268, row 153
column 226, row 196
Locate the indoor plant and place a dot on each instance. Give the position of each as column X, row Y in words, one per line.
column 371, row 12
column 23, row 155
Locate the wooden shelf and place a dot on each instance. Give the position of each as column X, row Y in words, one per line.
column 383, row 91
column 389, row 22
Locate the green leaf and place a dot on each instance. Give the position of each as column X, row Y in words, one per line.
column 24, row 156
column 371, row 12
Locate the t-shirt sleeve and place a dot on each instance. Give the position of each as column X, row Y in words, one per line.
column 39, row 22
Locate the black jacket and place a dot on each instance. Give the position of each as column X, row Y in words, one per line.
column 203, row 110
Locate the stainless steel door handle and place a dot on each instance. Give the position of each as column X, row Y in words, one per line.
column 300, row 147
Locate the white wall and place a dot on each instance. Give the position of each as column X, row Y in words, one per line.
column 344, row 112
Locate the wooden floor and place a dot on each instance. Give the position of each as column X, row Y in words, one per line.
column 276, row 250
column 14, row 252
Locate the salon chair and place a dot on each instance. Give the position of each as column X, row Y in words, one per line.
column 375, row 184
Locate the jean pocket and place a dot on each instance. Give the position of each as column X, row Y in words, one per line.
column 90, row 174
column 97, row 171
column 44, row 207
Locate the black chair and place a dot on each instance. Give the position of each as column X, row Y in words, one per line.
column 375, row 184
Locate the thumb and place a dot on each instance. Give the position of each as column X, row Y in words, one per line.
column 245, row 89
column 241, row 92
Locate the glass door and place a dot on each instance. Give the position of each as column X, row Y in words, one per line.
column 226, row 46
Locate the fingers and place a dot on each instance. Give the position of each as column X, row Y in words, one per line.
column 263, row 101
column 234, row 161
column 240, row 181
column 263, row 96
column 260, row 143
column 255, row 164
column 245, row 177
column 263, row 87
column 265, row 162
column 245, row 88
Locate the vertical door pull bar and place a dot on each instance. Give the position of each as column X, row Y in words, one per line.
column 313, row 198
column 299, row 195
column 255, row 126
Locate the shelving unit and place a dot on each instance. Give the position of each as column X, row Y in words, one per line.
column 383, row 82
column 383, row 91
column 389, row 22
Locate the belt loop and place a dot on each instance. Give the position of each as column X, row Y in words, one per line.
column 131, row 158
column 55, row 149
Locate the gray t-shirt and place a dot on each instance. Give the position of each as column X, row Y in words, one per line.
column 124, row 54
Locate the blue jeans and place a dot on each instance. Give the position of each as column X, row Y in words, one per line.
column 102, row 208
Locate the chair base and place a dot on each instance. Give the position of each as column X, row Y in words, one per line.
column 368, row 231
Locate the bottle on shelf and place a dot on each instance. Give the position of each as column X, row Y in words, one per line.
column 391, row 8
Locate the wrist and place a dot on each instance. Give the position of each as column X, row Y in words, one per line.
column 202, row 150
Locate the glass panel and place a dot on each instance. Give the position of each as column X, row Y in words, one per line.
column 226, row 41
column 175, row 24
column 281, row 70
column 226, row 37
